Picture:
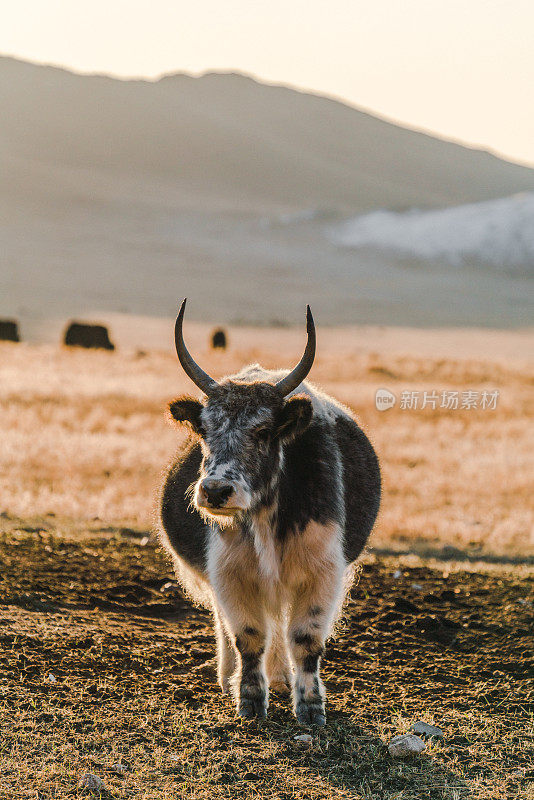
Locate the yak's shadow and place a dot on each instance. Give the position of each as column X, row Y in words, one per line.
column 369, row 764
column 351, row 757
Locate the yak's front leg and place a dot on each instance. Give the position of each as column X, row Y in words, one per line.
column 247, row 625
column 312, row 614
column 253, row 698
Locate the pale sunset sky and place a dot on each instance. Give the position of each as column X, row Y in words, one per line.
column 463, row 69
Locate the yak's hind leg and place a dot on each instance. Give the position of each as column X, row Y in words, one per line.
column 226, row 654
column 314, row 609
column 277, row 664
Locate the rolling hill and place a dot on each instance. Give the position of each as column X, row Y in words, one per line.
column 122, row 195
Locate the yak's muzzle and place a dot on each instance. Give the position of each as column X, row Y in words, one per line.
column 220, row 497
column 213, row 493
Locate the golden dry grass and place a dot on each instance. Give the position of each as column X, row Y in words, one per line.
column 83, row 436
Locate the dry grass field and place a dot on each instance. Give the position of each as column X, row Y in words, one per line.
column 87, row 597
column 84, row 436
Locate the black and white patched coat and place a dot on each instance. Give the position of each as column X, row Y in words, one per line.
column 264, row 512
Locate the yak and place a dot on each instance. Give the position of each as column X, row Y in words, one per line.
column 9, row 330
column 219, row 339
column 264, row 512
column 80, row 334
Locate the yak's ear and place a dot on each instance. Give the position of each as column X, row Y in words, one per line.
column 187, row 410
column 295, row 417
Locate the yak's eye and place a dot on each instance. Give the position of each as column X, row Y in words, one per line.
column 263, row 434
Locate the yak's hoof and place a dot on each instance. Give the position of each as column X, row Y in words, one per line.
column 252, row 709
column 310, row 714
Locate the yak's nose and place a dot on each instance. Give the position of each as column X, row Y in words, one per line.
column 215, row 492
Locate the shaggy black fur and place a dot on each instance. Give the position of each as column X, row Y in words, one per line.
column 317, row 456
column 183, row 524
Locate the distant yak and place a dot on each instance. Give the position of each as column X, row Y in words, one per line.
column 218, row 339
column 9, row 330
column 81, row 335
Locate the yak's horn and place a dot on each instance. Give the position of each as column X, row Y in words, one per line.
column 291, row 381
column 191, row 368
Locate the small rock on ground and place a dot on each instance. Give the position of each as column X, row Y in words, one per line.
column 304, row 739
column 424, row 729
column 91, row 783
column 406, row 745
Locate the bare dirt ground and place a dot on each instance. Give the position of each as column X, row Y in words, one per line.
column 87, row 597
column 135, row 682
